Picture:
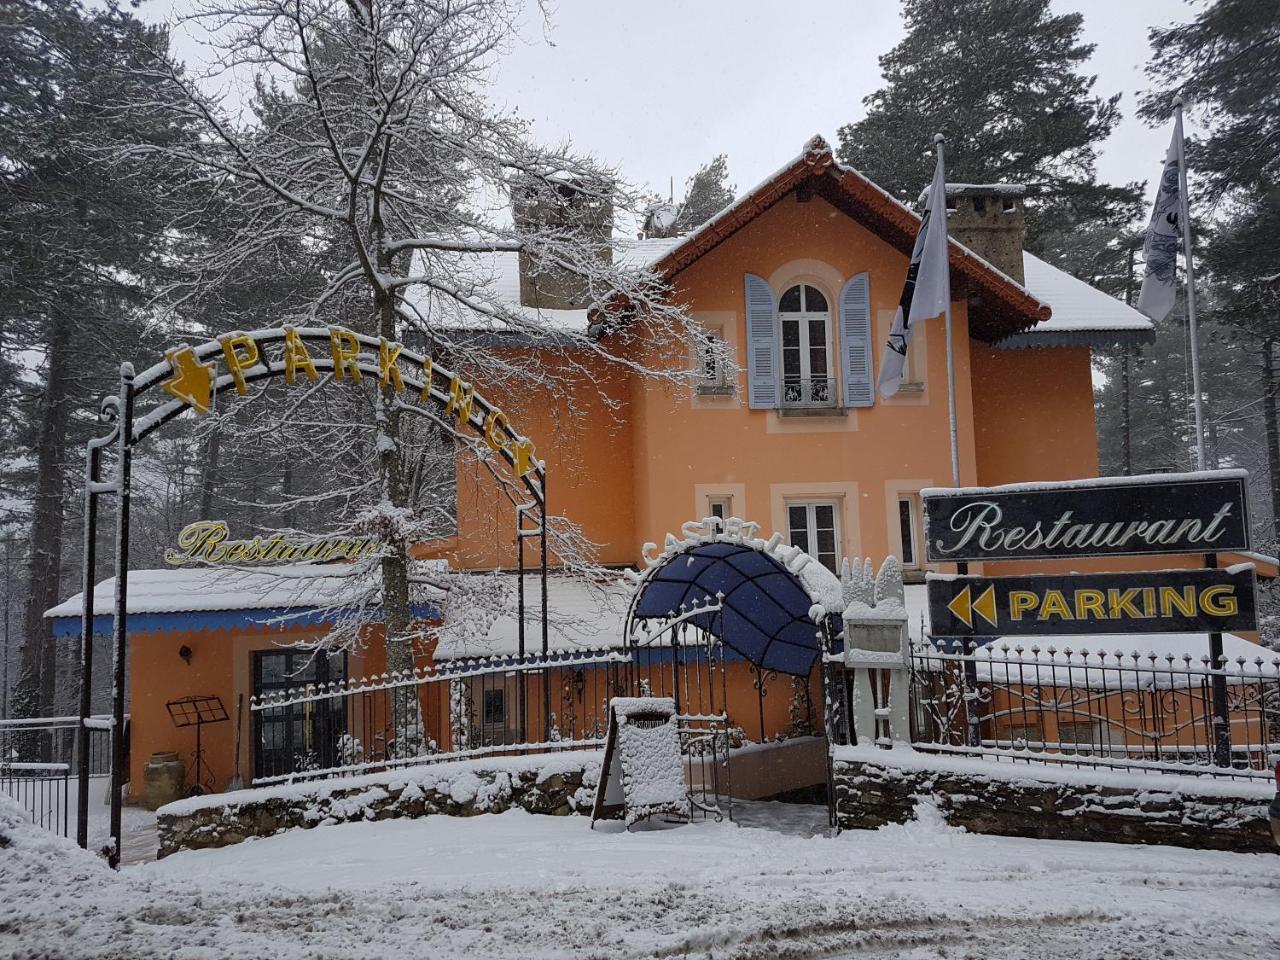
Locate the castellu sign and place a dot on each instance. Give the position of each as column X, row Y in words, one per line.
column 1109, row 517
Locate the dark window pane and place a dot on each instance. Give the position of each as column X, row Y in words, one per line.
column 791, row 362
column 817, row 333
column 826, row 542
column 494, row 706
column 824, row 516
column 790, row 333
column 907, row 527
column 814, row 301
column 717, row 508
column 790, row 302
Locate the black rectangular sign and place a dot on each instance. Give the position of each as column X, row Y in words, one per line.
column 1111, row 517
column 1163, row 601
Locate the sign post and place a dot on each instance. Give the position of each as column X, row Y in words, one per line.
column 1203, row 513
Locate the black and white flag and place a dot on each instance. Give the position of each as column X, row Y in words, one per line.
column 1164, row 233
column 927, row 292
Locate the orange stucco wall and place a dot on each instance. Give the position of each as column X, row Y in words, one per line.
column 581, row 429
column 630, row 459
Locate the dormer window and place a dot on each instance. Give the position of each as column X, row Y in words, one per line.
column 807, row 377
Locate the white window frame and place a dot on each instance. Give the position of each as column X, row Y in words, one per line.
column 712, row 378
column 913, row 503
column 811, row 527
column 802, row 320
column 724, row 502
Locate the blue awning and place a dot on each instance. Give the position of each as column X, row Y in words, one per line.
column 765, row 615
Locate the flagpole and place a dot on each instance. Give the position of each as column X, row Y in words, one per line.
column 938, row 140
column 1184, row 216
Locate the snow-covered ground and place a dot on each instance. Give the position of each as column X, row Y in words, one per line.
column 521, row 886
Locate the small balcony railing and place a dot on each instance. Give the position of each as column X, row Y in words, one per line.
column 812, row 392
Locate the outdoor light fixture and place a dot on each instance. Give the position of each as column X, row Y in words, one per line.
column 185, row 653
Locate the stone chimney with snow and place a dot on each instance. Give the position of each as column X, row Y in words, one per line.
column 580, row 213
column 988, row 219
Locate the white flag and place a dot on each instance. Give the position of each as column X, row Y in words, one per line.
column 1164, row 233
column 927, row 292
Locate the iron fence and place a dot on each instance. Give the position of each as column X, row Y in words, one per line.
column 1147, row 711
column 53, row 740
column 39, row 756
column 454, row 710
column 43, row 790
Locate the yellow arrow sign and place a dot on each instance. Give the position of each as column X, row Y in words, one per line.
column 964, row 606
column 985, row 605
column 192, row 380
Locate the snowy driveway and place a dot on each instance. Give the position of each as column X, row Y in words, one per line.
column 517, row 886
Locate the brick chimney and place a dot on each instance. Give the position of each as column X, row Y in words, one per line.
column 988, row 219
column 563, row 205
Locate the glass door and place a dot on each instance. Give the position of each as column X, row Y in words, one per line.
column 299, row 736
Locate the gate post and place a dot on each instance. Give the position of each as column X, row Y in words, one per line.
column 93, row 488
column 119, row 629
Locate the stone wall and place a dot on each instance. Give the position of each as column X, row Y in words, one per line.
column 874, row 788
column 558, row 784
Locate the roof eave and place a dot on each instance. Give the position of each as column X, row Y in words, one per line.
column 1100, row 339
column 1011, row 309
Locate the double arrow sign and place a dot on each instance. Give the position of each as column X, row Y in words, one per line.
column 963, row 606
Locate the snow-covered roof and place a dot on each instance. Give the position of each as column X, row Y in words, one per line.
column 195, row 589
column 498, row 273
column 583, row 615
column 1082, row 314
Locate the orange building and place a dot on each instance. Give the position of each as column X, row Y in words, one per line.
column 800, row 279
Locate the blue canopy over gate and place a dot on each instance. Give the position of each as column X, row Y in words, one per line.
column 765, row 607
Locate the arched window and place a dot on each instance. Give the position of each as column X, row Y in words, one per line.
column 807, row 379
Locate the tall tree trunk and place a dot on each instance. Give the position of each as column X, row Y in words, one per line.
column 39, row 654
column 1273, row 431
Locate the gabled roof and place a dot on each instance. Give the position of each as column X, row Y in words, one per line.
column 1009, row 307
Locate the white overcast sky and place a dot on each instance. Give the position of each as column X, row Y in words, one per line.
column 658, row 87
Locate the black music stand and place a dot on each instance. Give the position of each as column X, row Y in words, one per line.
column 196, row 712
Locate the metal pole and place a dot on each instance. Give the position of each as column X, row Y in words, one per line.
column 1218, row 685
column 87, row 582
column 119, row 629
column 938, row 140
column 1184, row 218
column 546, row 676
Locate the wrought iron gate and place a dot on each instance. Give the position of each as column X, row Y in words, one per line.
column 677, row 658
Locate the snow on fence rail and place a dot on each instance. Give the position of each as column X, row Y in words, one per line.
column 53, row 740
column 1148, row 711
column 452, row 710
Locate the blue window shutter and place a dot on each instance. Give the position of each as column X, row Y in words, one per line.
column 855, row 342
column 762, row 345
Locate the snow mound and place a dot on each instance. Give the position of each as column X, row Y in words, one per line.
column 35, row 862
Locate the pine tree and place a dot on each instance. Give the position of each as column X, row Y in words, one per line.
column 1001, row 79
column 1224, row 64
column 706, row 193
column 80, row 236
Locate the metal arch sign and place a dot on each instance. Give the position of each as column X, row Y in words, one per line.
column 193, row 376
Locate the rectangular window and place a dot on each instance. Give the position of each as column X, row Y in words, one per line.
column 721, row 507
column 814, row 529
column 907, row 530
column 494, row 706
column 712, row 376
